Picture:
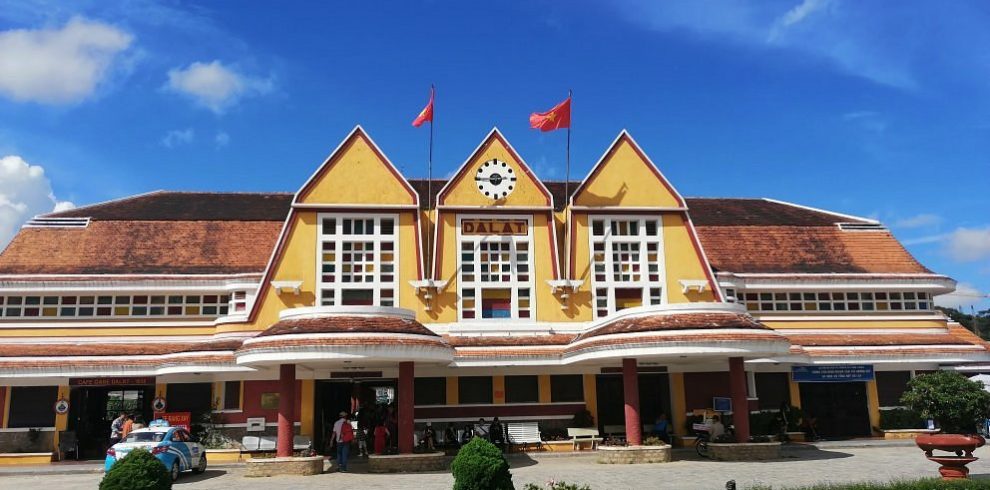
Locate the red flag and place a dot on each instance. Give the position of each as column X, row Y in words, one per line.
column 426, row 114
column 557, row 118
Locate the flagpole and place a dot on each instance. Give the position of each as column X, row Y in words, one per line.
column 567, row 184
column 429, row 173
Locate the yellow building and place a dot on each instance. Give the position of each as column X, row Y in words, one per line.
column 491, row 294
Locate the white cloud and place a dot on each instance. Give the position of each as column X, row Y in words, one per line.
column 215, row 86
column 968, row 244
column 798, row 14
column 839, row 32
column 59, row 66
column 25, row 192
column 919, row 221
column 222, row 139
column 964, row 296
column 178, row 137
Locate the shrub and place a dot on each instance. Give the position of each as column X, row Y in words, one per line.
column 653, row 441
column 556, row 485
column 139, row 470
column 957, row 403
column 900, row 418
column 479, row 465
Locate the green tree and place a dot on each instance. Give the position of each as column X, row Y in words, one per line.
column 957, row 403
column 479, row 465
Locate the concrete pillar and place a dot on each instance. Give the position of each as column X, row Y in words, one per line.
column 740, row 403
column 873, row 404
column 678, row 404
column 286, row 409
column 630, row 390
column 407, row 416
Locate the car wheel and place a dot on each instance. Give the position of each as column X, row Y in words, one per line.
column 201, row 467
column 175, row 470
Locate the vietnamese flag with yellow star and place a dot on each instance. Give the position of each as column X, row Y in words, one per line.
column 426, row 114
column 557, row 118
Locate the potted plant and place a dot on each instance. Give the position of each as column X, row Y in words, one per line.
column 958, row 405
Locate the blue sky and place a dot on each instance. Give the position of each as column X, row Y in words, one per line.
column 856, row 107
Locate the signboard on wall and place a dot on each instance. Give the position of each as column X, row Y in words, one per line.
column 119, row 381
column 833, row 374
column 178, row 419
column 494, row 226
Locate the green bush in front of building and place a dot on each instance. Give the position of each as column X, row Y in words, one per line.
column 139, row 470
column 900, row 418
column 479, row 465
column 955, row 402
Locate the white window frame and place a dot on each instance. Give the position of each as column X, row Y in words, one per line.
column 376, row 285
column 642, row 239
column 513, row 286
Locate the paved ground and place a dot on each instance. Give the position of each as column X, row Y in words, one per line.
column 801, row 467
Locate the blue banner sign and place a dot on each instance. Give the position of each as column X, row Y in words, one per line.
column 833, row 374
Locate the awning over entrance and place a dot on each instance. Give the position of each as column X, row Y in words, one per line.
column 337, row 334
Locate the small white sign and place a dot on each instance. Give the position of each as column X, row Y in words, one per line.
column 255, row 424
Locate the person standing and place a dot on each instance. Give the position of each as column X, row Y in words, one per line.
column 116, row 428
column 661, row 428
column 381, row 436
column 343, row 434
column 496, row 432
column 128, row 426
column 361, row 436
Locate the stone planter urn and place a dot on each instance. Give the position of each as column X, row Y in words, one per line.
column 961, row 445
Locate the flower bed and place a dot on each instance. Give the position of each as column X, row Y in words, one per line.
column 633, row 454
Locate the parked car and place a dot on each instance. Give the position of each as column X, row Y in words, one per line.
column 173, row 446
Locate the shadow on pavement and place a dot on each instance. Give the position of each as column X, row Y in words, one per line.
column 193, row 477
column 520, row 460
column 805, row 453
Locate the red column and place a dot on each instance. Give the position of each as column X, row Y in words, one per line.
column 630, row 390
column 740, row 403
column 286, row 409
column 406, row 406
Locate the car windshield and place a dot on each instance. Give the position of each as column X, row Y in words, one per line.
column 145, row 437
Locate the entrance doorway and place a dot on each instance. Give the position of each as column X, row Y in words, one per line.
column 840, row 409
column 94, row 408
column 371, row 399
column 654, row 399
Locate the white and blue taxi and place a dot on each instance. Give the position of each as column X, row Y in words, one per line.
column 173, row 446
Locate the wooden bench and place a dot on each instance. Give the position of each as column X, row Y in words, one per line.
column 579, row 436
column 524, row 433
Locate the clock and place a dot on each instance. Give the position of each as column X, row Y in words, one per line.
column 495, row 179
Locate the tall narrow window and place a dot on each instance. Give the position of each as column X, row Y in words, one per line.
column 626, row 263
column 496, row 277
column 358, row 258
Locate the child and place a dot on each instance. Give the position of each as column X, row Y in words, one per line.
column 361, row 437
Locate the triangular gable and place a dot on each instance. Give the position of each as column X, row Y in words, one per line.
column 461, row 190
column 357, row 172
column 625, row 177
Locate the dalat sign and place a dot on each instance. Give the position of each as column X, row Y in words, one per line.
column 494, row 227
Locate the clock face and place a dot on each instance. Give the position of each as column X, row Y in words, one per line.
column 495, row 179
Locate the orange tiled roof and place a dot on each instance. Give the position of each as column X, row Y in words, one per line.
column 114, row 349
column 188, row 232
column 143, row 247
column 829, row 340
column 347, row 324
column 508, row 340
column 676, row 321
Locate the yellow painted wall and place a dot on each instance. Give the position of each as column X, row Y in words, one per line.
column 794, row 388
column 625, row 179
column 464, row 191
column 498, row 390
column 873, row 403
column 678, row 404
column 6, row 407
column 682, row 261
column 299, row 263
column 543, row 382
column 307, row 414
column 356, row 162
column 453, row 391
column 591, row 395
column 61, row 420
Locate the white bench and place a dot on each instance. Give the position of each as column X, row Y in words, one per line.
column 524, row 433
column 300, row 443
column 259, row 443
column 579, row 436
